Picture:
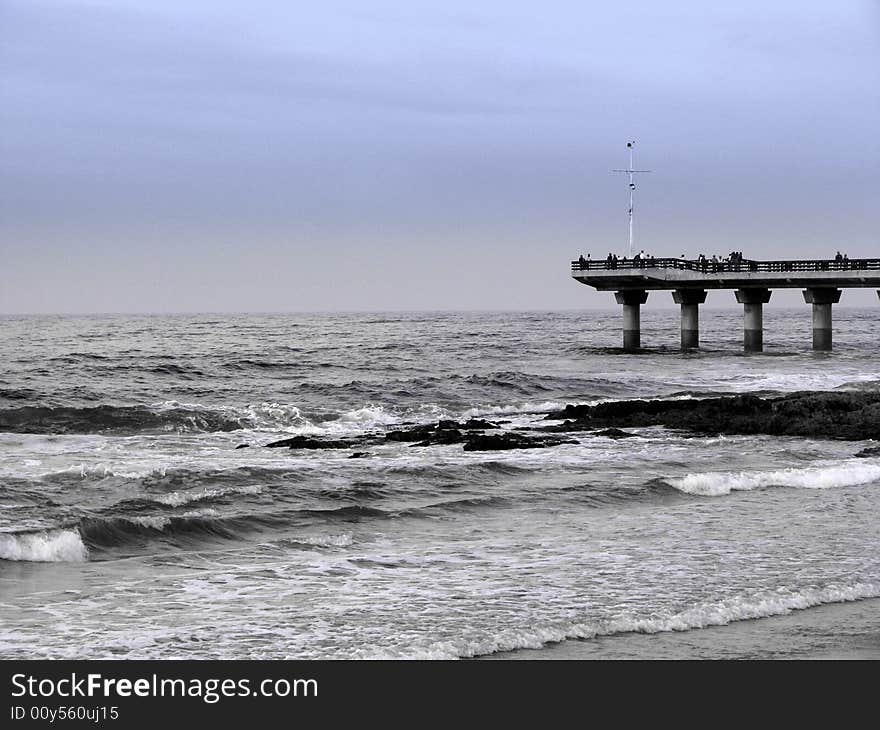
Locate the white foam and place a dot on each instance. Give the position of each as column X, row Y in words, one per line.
column 177, row 499
column 343, row 540
column 103, row 470
column 204, row 512
column 700, row 616
column 370, row 415
column 47, row 546
column 793, row 381
column 283, row 416
column 266, row 415
column 715, row 484
column 489, row 410
column 157, row 522
column 167, row 405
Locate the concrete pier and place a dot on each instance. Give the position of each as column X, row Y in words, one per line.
column 822, row 298
column 632, row 300
column 753, row 301
column 632, row 279
column 690, row 301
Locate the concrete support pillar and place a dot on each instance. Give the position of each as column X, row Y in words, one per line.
column 822, row 298
column 753, row 301
column 631, row 299
column 690, row 301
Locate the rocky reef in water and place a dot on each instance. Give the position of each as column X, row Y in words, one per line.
column 848, row 416
column 472, row 434
column 828, row 415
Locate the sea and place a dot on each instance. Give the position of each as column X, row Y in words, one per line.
column 141, row 517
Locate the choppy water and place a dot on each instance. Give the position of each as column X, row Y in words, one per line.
column 131, row 526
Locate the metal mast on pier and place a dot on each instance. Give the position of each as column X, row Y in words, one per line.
column 632, row 186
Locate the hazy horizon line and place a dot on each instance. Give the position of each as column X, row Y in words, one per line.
column 611, row 308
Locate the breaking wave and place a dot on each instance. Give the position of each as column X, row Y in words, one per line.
column 700, row 616
column 523, row 408
column 44, row 546
column 177, row 417
column 716, row 484
column 178, row 499
column 110, row 532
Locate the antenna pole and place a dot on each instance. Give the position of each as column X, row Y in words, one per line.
column 632, row 188
column 630, row 171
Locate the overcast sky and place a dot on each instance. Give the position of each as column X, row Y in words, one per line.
column 161, row 155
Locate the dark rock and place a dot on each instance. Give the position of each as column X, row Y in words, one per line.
column 446, row 432
column 446, row 436
column 358, row 455
column 416, row 433
column 870, row 451
column 306, row 442
column 506, row 441
column 835, row 415
column 614, row 433
column 474, row 424
column 443, row 432
column 242, row 446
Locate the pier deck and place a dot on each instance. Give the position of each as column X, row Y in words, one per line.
column 669, row 274
column 752, row 281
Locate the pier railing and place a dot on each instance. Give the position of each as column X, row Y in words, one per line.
column 708, row 266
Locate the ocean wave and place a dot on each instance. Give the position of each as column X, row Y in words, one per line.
column 790, row 382
column 271, row 415
column 113, row 419
column 160, row 477
column 18, row 394
column 459, row 505
column 102, row 471
column 249, row 363
column 700, row 616
column 715, row 484
column 179, row 417
column 469, row 471
column 349, row 513
column 106, row 532
column 512, row 409
column 43, row 546
column 174, row 369
column 118, row 531
column 340, row 540
column 533, row 384
column 370, row 415
column 868, row 385
column 178, row 499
